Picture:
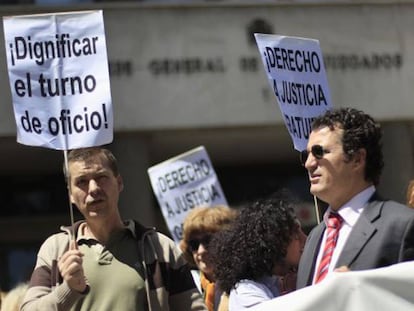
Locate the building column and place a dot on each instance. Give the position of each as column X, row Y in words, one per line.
column 398, row 148
column 136, row 200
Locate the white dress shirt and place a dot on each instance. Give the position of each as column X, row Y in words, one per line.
column 350, row 213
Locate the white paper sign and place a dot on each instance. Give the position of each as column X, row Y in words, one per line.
column 182, row 183
column 383, row 289
column 296, row 72
column 59, row 79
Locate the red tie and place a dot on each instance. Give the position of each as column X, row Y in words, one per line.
column 334, row 224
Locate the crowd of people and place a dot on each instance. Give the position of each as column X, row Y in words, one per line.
column 228, row 259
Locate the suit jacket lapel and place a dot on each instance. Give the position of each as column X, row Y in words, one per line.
column 362, row 232
column 311, row 254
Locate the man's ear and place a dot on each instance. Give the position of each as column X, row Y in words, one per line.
column 120, row 183
column 68, row 186
column 71, row 197
column 360, row 158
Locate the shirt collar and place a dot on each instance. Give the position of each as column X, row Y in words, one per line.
column 351, row 210
column 129, row 226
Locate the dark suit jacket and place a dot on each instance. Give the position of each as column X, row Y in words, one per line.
column 382, row 236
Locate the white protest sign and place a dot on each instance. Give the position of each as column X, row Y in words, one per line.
column 296, row 72
column 382, row 289
column 182, row 183
column 59, row 79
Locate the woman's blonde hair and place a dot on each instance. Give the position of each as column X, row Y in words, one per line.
column 13, row 299
column 207, row 220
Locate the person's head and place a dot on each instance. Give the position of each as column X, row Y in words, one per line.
column 266, row 239
column 12, row 300
column 410, row 194
column 198, row 228
column 94, row 181
column 344, row 155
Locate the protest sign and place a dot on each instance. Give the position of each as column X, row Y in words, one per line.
column 296, row 72
column 59, row 79
column 388, row 288
column 182, row 183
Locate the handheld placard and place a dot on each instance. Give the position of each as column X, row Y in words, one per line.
column 59, row 80
column 182, row 183
column 296, row 73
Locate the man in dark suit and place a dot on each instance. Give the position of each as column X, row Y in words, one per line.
column 344, row 161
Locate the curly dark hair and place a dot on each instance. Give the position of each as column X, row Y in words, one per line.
column 257, row 240
column 360, row 131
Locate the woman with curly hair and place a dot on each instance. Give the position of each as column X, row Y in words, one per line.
column 265, row 241
column 198, row 229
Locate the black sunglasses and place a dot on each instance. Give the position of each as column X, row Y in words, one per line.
column 194, row 244
column 317, row 151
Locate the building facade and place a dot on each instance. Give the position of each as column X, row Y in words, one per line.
column 185, row 75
